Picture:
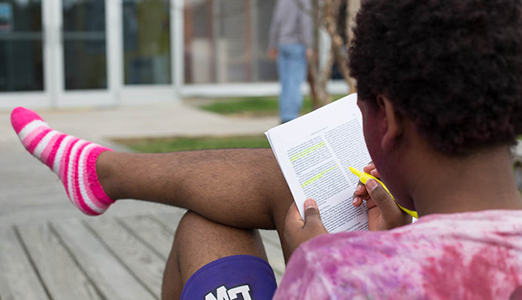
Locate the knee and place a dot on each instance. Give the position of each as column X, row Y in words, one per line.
column 196, row 235
column 194, row 231
column 188, row 227
column 188, row 218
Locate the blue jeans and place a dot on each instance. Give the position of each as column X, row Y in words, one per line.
column 292, row 68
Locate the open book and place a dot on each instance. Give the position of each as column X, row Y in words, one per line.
column 315, row 152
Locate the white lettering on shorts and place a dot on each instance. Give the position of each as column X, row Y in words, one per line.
column 222, row 293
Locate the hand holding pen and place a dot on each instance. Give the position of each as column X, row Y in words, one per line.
column 383, row 211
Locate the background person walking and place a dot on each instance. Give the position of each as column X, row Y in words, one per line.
column 291, row 44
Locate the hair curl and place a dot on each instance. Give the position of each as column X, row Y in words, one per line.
column 452, row 66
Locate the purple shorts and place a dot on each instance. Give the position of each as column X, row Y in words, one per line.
column 241, row 277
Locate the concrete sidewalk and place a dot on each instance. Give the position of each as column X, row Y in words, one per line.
column 143, row 121
column 29, row 191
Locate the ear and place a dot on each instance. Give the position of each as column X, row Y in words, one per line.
column 392, row 123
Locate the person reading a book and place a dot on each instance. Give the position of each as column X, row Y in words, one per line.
column 440, row 92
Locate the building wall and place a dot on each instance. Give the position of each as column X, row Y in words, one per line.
column 119, row 52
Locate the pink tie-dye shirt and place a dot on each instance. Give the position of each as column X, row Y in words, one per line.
column 475, row 255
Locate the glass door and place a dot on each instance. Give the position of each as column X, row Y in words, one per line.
column 84, row 45
column 147, row 60
column 21, row 46
column 23, row 79
column 146, row 42
column 83, row 56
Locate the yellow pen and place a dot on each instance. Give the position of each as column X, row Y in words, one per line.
column 365, row 176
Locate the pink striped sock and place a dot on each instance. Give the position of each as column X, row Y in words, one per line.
column 72, row 159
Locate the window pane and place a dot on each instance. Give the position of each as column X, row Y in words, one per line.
column 266, row 67
column 84, row 44
column 146, row 39
column 234, row 47
column 226, row 41
column 199, row 45
column 21, row 52
column 85, row 63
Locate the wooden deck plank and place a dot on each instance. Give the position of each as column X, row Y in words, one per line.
column 18, row 279
column 144, row 263
column 270, row 236
column 276, row 260
column 142, row 243
column 171, row 219
column 111, row 277
column 274, row 252
column 142, row 226
column 61, row 275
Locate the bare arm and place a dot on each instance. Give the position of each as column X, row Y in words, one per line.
column 274, row 26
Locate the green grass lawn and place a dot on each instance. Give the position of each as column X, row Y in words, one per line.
column 248, row 106
column 254, row 106
column 163, row 145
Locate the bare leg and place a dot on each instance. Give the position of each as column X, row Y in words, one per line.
column 195, row 237
column 242, row 188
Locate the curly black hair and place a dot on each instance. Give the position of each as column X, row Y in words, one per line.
column 452, row 66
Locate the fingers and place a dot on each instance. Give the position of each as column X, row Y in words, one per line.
column 361, row 192
column 383, row 211
column 310, row 54
column 312, row 216
column 370, row 169
column 296, row 230
column 272, row 53
column 293, row 216
column 383, row 200
column 358, row 194
column 370, row 204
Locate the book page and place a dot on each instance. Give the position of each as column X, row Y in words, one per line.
column 315, row 152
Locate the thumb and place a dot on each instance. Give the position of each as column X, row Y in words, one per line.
column 311, row 212
column 382, row 199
